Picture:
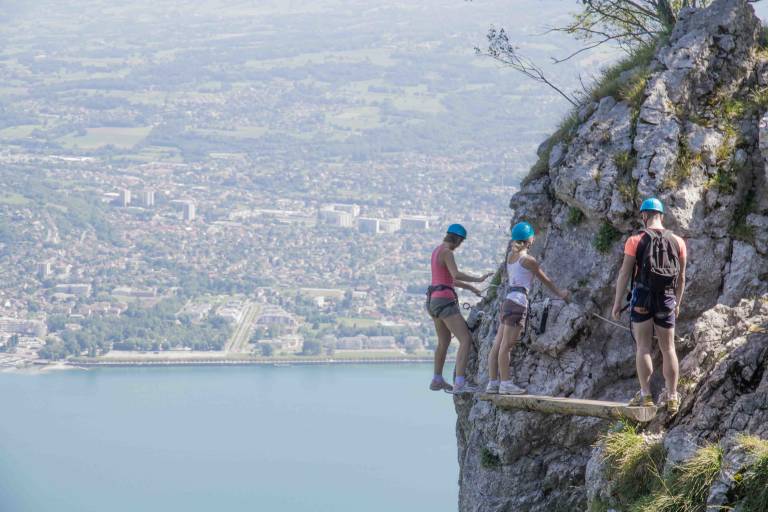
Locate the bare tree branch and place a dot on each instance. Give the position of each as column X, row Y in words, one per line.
column 501, row 50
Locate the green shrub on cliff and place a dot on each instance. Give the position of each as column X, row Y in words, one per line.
column 752, row 485
column 488, row 459
column 575, row 216
column 564, row 133
column 606, row 236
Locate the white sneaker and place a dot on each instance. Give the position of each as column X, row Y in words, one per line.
column 466, row 387
column 509, row 388
column 492, row 388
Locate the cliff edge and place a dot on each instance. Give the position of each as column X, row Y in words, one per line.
column 685, row 121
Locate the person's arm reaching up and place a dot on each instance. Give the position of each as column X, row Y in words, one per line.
column 533, row 265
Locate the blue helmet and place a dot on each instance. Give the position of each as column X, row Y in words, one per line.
column 522, row 231
column 652, row 205
column 458, row 230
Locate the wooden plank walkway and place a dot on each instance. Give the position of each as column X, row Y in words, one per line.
column 572, row 407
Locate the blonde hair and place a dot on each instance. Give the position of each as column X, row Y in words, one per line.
column 516, row 246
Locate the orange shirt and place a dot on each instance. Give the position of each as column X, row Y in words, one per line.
column 630, row 248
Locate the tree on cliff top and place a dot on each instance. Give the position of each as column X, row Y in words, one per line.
column 627, row 24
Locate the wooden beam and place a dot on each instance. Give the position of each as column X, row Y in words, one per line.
column 572, row 407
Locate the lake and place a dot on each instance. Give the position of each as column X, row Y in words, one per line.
column 298, row 438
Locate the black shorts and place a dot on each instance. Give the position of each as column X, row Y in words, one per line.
column 659, row 306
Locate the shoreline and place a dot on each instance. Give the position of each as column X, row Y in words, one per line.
column 81, row 364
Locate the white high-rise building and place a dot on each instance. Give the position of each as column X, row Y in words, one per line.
column 389, row 225
column 352, row 209
column 125, row 197
column 189, row 211
column 147, row 198
column 368, row 225
column 414, row 223
column 335, row 218
column 44, row 269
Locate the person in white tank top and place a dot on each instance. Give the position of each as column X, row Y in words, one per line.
column 521, row 269
column 518, row 277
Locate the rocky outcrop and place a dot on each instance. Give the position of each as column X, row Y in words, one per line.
column 698, row 140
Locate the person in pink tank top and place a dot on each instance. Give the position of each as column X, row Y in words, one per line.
column 443, row 307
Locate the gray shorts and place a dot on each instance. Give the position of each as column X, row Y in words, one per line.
column 512, row 313
column 441, row 307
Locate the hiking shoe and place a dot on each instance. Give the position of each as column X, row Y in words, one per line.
column 641, row 400
column 509, row 388
column 671, row 404
column 492, row 388
column 439, row 385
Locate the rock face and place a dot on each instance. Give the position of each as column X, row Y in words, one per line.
column 698, row 140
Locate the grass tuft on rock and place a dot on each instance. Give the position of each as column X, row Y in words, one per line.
column 564, row 133
column 488, row 459
column 741, row 230
column 606, row 236
column 732, row 108
column 624, row 161
column 687, row 487
column 724, row 181
column 684, row 166
column 575, row 216
column 752, row 484
column 759, row 98
column 628, row 190
column 693, row 478
column 614, row 82
column 630, row 459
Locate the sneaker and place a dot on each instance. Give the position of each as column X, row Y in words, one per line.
column 464, row 387
column 672, row 404
column 439, row 385
column 509, row 388
column 641, row 400
column 492, row 388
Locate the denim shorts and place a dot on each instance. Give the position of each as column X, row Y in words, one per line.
column 660, row 307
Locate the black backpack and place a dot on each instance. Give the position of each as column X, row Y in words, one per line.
column 658, row 260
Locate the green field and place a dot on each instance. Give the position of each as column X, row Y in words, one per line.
column 18, row 132
column 376, row 56
column 241, row 132
column 103, row 136
column 13, row 199
column 358, row 322
column 359, row 118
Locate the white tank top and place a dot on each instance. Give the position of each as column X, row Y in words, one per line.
column 519, row 276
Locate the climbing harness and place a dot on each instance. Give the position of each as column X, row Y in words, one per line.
column 439, row 288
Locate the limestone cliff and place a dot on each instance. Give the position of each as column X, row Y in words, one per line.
column 689, row 125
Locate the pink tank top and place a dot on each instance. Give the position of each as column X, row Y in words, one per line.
column 440, row 275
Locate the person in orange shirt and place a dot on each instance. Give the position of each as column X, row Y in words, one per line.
column 655, row 260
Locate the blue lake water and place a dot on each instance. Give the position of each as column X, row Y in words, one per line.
column 299, row 438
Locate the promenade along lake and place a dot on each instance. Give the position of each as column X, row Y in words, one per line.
column 297, row 438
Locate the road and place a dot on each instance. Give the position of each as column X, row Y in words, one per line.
column 238, row 343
